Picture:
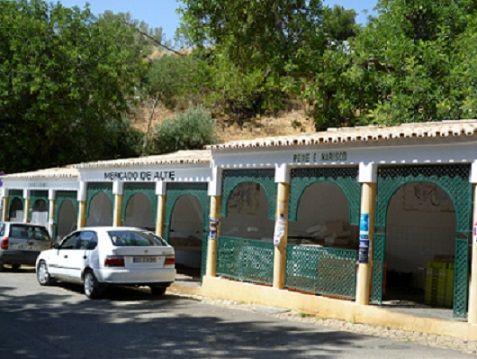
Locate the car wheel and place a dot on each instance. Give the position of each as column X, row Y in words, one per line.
column 42, row 274
column 15, row 267
column 2, row 267
column 92, row 288
column 158, row 291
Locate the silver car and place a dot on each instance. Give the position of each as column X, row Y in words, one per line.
column 20, row 243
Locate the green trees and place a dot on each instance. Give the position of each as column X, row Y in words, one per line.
column 66, row 79
column 255, row 48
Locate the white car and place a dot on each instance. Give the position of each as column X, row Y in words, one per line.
column 102, row 256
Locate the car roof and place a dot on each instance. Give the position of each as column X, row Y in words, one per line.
column 111, row 228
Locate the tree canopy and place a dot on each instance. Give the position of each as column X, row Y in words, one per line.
column 66, row 81
column 69, row 80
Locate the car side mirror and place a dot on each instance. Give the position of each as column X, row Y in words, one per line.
column 56, row 246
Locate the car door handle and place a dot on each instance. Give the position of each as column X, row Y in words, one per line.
column 84, row 257
column 65, row 256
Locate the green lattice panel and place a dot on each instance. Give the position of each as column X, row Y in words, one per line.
column 60, row 198
column 345, row 178
column 325, row 271
column 452, row 179
column 379, row 246
column 132, row 189
column 95, row 188
column 461, row 278
column 264, row 177
column 198, row 191
column 246, row 260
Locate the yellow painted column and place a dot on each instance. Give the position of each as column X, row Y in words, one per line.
column 118, row 201
column 214, row 232
column 366, row 234
column 6, row 202
column 81, row 198
column 472, row 314
column 160, row 215
column 81, row 214
column 281, row 236
column 26, row 206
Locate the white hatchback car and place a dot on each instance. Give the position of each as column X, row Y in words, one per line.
column 102, row 256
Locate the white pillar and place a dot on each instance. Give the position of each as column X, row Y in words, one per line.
column 51, row 211
column 472, row 315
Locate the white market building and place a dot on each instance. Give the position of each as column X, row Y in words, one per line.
column 363, row 214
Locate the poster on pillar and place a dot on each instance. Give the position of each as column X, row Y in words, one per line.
column 363, row 253
column 279, row 231
column 213, row 228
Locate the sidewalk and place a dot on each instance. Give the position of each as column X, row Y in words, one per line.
column 434, row 328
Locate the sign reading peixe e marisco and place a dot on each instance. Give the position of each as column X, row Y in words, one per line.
column 140, row 176
column 310, row 157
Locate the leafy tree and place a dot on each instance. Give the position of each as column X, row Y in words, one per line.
column 263, row 43
column 66, row 79
column 409, row 54
column 192, row 129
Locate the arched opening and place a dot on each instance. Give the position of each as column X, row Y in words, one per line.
column 100, row 211
column 247, row 213
column 139, row 212
column 420, row 239
column 186, row 234
column 323, row 218
column 16, row 210
column 66, row 219
column 39, row 213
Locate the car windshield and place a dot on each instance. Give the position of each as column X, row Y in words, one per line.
column 29, row 232
column 135, row 239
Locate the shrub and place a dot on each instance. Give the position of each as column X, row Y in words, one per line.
column 192, row 129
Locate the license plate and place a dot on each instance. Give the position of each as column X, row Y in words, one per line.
column 144, row 259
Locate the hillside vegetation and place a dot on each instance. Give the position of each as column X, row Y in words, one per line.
column 75, row 87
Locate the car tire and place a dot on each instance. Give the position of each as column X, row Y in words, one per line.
column 2, row 267
column 15, row 267
column 158, row 291
column 92, row 288
column 42, row 275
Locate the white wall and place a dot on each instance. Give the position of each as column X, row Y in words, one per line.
column 186, row 219
column 247, row 215
column 101, row 211
column 67, row 220
column 39, row 214
column 320, row 203
column 139, row 212
column 421, row 226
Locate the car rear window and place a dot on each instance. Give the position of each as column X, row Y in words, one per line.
column 135, row 239
column 29, row 232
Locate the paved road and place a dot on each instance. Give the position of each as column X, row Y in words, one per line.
column 59, row 322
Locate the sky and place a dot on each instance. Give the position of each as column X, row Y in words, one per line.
column 162, row 13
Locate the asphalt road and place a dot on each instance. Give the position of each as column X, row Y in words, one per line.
column 59, row 322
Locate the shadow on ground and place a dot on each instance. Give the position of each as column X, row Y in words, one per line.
column 131, row 324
